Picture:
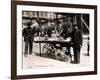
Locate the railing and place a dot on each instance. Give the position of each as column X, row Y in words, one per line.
column 84, row 23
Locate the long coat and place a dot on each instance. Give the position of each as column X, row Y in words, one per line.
column 77, row 38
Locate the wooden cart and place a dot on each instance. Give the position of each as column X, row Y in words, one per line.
column 55, row 48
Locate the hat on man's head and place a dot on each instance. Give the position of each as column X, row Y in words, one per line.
column 74, row 25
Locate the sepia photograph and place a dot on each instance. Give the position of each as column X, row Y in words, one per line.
column 55, row 39
column 52, row 40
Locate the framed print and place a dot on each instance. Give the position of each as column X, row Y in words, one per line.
column 53, row 39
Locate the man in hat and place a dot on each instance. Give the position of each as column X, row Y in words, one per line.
column 28, row 38
column 77, row 43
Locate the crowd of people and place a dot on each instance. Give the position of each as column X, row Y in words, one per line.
column 67, row 28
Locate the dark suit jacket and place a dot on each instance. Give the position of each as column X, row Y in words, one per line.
column 27, row 33
column 77, row 38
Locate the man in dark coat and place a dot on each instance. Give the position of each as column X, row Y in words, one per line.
column 49, row 31
column 77, row 43
column 28, row 38
column 88, row 47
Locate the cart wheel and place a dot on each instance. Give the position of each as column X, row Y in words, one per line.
column 49, row 50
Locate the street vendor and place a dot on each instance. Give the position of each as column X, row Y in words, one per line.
column 77, row 43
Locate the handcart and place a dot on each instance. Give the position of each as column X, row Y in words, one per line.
column 55, row 48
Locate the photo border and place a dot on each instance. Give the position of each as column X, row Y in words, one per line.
column 14, row 39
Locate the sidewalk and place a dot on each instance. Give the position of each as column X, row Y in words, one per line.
column 37, row 61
